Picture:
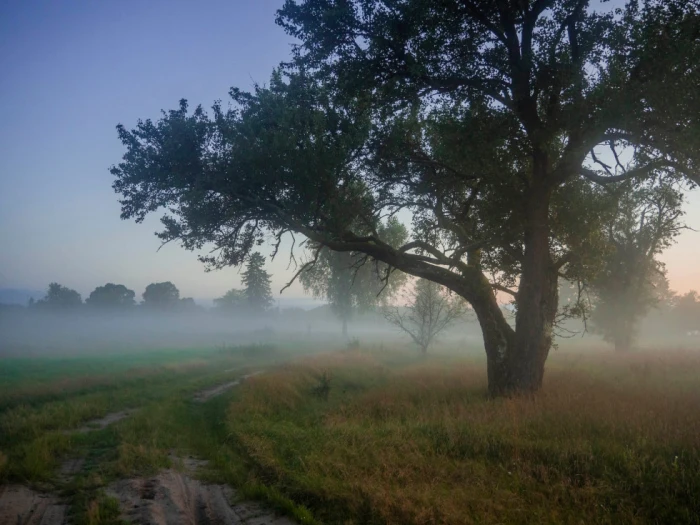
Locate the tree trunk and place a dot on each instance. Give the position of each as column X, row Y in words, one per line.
column 499, row 337
column 515, row 359
column 537, row 300
column 345, row 327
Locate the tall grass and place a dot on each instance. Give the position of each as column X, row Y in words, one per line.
column 615, row 440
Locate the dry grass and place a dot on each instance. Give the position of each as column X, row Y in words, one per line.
column 609, row 440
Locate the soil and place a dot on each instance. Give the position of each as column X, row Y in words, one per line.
column 206, row 395
column 22, row 505
column 109, row 419
column 175, row 497
column 69, row 468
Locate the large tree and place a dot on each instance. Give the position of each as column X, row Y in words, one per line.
column 484, row 119
column 347, row 282
column 111, row 296
column 633, row 280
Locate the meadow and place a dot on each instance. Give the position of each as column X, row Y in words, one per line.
column 367, row 433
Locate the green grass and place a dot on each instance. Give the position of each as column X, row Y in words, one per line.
column 610, row 441
column 369, row 436
column 40, row 409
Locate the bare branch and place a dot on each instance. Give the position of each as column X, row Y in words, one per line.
column 304, row 267
column 629, row 174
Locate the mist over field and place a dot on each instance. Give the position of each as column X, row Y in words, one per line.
column 24, row 334
column 449, row 249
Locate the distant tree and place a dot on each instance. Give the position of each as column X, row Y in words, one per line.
column 257, row 284
column 348, row 282
column 60, row 298
column 188, row 305
column 232, row 301
column 161, row 296
column 686, row 311
column 632, row 280
column 111, row 296
column 431, row 308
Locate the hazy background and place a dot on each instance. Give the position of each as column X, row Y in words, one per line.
column 69, row 72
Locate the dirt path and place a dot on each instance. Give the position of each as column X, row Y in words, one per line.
column 206, row 395
column 170, row 497
column 103, row 422
column 22, row 505
column 175, row 497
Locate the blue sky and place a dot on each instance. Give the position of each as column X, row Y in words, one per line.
column 70, row 71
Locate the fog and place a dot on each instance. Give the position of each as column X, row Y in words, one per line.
column 29, row 333
column 32, row 333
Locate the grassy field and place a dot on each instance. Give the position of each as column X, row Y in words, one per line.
column 368, row 435
column 375, row 438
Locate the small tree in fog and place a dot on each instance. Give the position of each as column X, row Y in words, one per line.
column 632, row 280
column 161, row 296
column 232, row 301
column 349, row 282
column 431, row 309
column 686, row 311
column 187, row 304
column 257, row 284
column 60, row 298
column 111, row 296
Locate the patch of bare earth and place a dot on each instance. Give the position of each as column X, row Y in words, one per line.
column 103, row 422
column 22, row 505
column 69, row 468
column 175, row 497
column 206, row 395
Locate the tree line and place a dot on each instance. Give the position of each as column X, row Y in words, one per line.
column 255, row 297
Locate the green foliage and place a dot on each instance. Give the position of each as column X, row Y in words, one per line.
column 457, row 122
column 111, row 296
column 257, row 285
column 161, row 296
column 59, row 298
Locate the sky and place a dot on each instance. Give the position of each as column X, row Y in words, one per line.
column 71, row 71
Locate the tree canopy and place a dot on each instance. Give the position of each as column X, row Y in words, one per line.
column 111, row 296
column 161, row 296
column 496, row 125
column 59, row 298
